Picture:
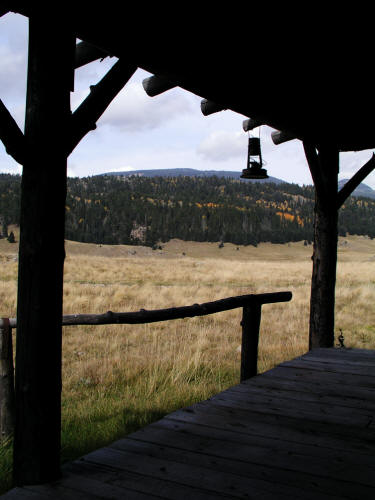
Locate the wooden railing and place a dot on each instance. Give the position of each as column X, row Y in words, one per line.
column 250, row 323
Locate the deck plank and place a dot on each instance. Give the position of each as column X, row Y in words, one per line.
column 217, row 475
column 279, row 465
column 343, row 395
column 366, row 373
column 287, row 429
column 299, row 392
column 303, row 430
column 79, row 487
column 343, row 422
column 280, row 444
column 315, row 375
column 299, row 401
column 131, row 481
column 354, row 354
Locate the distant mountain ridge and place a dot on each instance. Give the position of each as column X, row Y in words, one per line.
column 191, row 172
column 139, row 209
column 361, row 190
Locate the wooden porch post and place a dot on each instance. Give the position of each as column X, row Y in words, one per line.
column 324, row 168
column 41, row 254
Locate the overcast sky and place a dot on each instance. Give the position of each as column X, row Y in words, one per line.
column 139, row 132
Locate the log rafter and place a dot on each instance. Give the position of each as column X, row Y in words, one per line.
column 156, row 84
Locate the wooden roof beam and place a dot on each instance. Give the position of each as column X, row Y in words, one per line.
column 16, row 6
column 250, row 124
column 209, row 107
column 11, row 135
column 86, row 53
column 102, row 94
column 281, row 136
column 155, row 85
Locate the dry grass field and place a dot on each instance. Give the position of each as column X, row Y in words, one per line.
column 118, row 378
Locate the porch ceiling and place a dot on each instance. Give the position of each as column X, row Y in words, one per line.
column 310, row 82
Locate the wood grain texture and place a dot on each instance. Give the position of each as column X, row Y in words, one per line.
column 303, row 430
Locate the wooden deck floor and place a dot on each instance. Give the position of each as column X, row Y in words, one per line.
column 302, row 430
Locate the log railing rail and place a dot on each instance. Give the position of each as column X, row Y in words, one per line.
column 250, row 323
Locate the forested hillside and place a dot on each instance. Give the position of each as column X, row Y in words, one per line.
column 148, row 210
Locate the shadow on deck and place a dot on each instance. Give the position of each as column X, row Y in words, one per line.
column 302, row 430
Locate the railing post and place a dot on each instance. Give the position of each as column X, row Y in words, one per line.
column 250, row 336
column 6, row 381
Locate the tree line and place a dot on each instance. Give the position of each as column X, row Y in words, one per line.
column 148, row 210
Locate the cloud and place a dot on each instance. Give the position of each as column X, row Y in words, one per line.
column 351, row 162
column 222, row 146
column 72, row 172
column 133, row 111
column 12, row 68
column 122, row 169
column 13, row 83
column 88, row 75
column 9, row 166
column 16, row 170
column 13, row 53
column 92, row 169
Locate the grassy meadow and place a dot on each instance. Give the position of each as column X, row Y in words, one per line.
column 117, row 378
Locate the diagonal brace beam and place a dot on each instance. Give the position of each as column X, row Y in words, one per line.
column 354, row 182
column 102, row 94
column 315, row 169
column 11, row 135
column 86, row 52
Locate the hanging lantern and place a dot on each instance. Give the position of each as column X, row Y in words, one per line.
column 254, row 168
column 254, row 147
column 254, row 171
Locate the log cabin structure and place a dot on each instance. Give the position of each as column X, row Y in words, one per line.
column 305, row 97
